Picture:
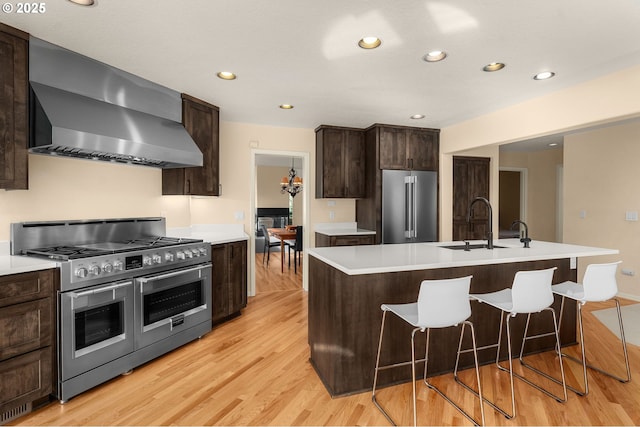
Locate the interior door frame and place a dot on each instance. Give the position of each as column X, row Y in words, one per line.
column 305, row 214
column 524, row 178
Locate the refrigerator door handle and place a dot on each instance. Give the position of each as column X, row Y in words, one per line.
column 408, row 207
column 414, row 197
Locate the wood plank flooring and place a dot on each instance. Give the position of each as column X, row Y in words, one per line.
column 254, row 370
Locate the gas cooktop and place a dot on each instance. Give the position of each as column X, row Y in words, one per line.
column 69, row 252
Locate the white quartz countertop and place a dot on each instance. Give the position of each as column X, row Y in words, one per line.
column 370, row 259
column 211, row 233
column 345, row 231
column 341, row 229
column 12, row 264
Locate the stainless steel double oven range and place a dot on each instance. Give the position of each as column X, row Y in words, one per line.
column 128, row 293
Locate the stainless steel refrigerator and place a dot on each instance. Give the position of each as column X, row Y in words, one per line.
column 409, row 206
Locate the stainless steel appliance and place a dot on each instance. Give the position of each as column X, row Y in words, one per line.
column 128, row 293
column 80, row 107
column 409, row 206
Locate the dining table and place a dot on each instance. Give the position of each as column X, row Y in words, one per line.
column 287, row 233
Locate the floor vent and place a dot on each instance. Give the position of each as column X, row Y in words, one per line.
column 14, row 413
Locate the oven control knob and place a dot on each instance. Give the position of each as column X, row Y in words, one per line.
column 188, row 254
column 157, row 259
column 169, row 257
column 117, row 266
column 81, row 272
column 146, row 260
column 107, row 267
column 195, row 252
column 180, row 255
column 203, row 251
column 94, row 270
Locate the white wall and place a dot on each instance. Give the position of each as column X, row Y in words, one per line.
column 62, row 188
column 601, row 177
column 600, row 102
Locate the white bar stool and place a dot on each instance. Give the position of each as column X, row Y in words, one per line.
column 529, row 294
column 441, row 304
column 598, row 285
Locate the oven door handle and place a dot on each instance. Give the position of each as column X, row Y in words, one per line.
column 101, row 290
column 144, row 280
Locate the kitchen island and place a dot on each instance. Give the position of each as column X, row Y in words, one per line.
column 347, row 285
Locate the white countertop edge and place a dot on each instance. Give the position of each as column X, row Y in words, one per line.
column 211, row 233
column 346, row 232
column 513, row 253
column 15, row 264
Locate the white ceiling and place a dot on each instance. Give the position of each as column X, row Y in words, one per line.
column 305, row 52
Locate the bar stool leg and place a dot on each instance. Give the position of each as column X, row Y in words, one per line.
column 583, row 359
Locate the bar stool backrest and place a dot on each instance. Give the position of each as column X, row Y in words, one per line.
column 600, row 281
column 531, row 290
column 443, row 303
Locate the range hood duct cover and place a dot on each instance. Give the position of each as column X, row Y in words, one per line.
column 86, row 109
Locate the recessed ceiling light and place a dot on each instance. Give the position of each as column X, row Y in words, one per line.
column 494, row 66
column 226, row 75
column 83, row 2
column 369, row 42
column 435, row 56
column 286, row 106
column 544, row 75
column 417, row 116
column 553, row 144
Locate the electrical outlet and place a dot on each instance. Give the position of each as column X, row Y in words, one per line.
column 583, row 214
column 631, row 216
column 332, row 215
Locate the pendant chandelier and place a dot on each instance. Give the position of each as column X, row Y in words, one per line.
column 291, row 184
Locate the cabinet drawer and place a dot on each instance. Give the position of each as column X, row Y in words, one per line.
column 25, row 327
column 22, row 287
column 25, row 378
column 352, row 240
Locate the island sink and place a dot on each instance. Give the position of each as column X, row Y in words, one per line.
column 462, row 247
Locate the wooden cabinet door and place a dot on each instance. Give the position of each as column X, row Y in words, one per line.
column 202, row 122
column 219, row 283
column 423, row 150
column 14, row 75
column 237, row 275
column 330, row 182
column 340, row 162
column 393, row 148
column 25, row 327
column 26, row 378
column 470, row 180
column 354, row 164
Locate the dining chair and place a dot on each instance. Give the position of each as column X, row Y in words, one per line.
column 269, row 242
column 296, row 245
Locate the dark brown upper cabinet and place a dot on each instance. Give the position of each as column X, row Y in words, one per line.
column 408, row 148
column 340, row 162
column 14, row 116
column 470, row 180
column 202, row 121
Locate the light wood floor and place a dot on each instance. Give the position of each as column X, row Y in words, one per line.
column 254, row 370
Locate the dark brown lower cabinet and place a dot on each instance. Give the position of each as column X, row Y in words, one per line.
column 322, row 240
column 27, row 344
column 229, row 279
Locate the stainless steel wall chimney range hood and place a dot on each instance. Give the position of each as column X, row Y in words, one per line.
column 83, row 108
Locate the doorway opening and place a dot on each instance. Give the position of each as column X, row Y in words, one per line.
column 273, row 209
column 513, row 196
